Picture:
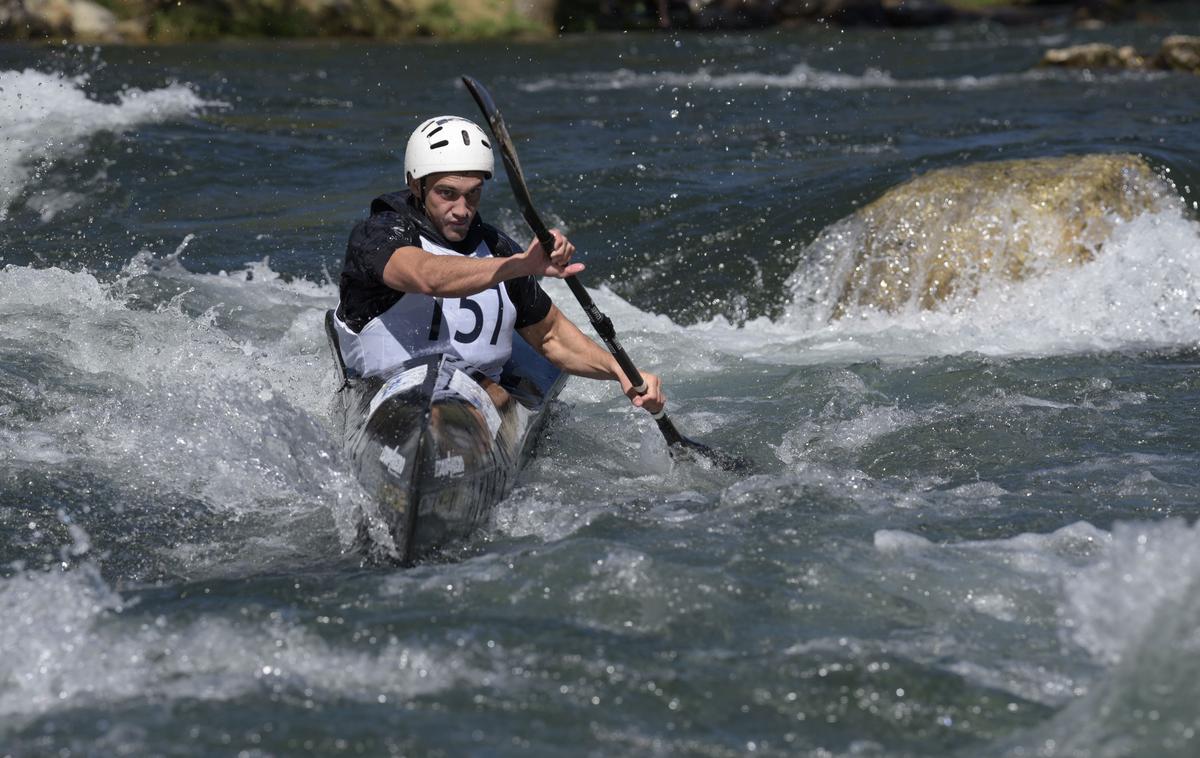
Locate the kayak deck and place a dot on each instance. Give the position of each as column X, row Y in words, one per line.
column 433, row 448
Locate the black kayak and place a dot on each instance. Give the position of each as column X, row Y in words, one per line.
column 432, row 447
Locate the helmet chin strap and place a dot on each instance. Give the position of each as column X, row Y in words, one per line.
column 422, row 193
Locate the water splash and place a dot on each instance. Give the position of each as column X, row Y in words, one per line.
column 144, row 393
column 107, row 650
column 803, row 76
column 49, row 117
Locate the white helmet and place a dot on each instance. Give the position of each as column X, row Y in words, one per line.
column 448, row 143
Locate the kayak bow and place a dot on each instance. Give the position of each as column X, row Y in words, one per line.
column 433, row 448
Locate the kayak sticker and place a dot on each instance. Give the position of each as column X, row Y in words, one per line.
column 401, row 382
column 451, row 465
column 523, row 415
column 469, row 390
column 391, row 458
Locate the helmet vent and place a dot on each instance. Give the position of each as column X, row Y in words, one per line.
column 435, row 131
column 436, row 145
column 466, row 137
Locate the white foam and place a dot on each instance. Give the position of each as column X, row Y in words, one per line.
column 802, row 76
column 1141, row 292
column 1115, row 588
column 218, row 386
column 32, row 447
column 70, row 641
column 48, row 117
column 535, row 511
column 1135, row 609
column 1049, row 553
column 34, row 662
column 1148, row 570
column 166, row 402
column 894, row 541
column 1005, row 591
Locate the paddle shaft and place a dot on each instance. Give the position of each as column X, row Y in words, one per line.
column 600, row 322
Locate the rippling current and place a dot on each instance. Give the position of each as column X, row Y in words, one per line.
column 970, row 532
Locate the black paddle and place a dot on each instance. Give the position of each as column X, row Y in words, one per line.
column 680, row 446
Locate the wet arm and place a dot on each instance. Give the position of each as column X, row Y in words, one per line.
column 557, row 338
column 564, row 345
column 411, row 269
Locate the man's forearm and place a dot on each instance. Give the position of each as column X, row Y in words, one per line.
column 411, row 269
column 574, row 352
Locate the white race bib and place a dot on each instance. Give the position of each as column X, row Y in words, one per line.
column 478, row 328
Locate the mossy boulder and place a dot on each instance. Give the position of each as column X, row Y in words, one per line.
column 1180, row 52
column 940, row 236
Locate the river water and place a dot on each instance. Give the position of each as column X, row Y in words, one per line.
column 970, row 532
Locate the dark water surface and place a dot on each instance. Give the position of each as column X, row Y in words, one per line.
column 971, row 531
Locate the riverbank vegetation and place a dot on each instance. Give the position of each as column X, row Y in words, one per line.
column 165, row 21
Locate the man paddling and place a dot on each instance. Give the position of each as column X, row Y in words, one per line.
column 424, row 274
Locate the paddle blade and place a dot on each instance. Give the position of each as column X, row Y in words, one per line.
column 690, row 450
column 685, row 449
column 508, row 153
column 484, row 100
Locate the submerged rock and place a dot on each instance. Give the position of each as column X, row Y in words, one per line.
column 942, row 235
column 1094, row 55
column 1178, row 53
column 1181, row 53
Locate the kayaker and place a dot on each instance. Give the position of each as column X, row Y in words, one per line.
column 425, row 274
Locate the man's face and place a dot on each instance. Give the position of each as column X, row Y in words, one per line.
column 451, row 201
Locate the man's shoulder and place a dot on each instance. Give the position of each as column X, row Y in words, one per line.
column 386, row 224
column 391, row 207
column 501, row 245
column 396, row 202
column 390, row 219
column 389, row 211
